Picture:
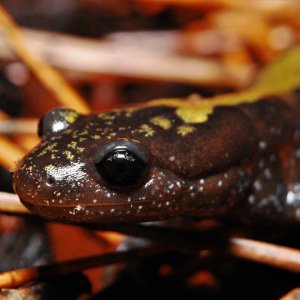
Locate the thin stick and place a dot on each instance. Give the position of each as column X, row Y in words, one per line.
column 90, row 59
column 276, row 256
column 281, row 8
column 10, row 153
column 292, row 295
column 22, row 276
column 10, row 204
column 18, row 126
column 190, row 239
column 48, row 76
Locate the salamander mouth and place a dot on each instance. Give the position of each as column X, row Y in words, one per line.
column 89, row 214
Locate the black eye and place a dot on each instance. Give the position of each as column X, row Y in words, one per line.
column 56, row 121
column 122, row 165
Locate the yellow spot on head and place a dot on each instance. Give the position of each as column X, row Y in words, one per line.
column 50, row 148
column 69, row 155
column 144, row 128
column 70, row 116
column 72, row 145
column 49, row 168
column 185, row 129
column 195, row 114
column 191, row 110
column 111, row 135
column 129, row 111
column 106, row 116
column 161, row 122
column 96, row 137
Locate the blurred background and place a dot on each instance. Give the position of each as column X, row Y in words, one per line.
column 115, row 52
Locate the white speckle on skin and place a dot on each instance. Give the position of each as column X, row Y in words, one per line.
column 112, row 210
column 171, row 185
column 268, row 174
column 257, row 185
column 76, row 209
column 251, row 199
column 94, row 200
column 167, row 203
column 220, row 183
column 262, row 145
column 172, row 158
column 202, row 181
column 293, row 196
column 150, row 182
column 290, row 198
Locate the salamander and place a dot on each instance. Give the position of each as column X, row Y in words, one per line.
column 233, row 156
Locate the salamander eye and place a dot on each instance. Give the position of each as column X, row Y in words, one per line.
column 56, row 121
column 122, row 163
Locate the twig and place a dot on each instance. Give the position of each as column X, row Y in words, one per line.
column 18, row 126
column 276, row 256
column 260, row 252
column 292, row 295
column 10, row 204
column 8, row 126
column 287, row 8
column 48, row 76
column 22, row 276
column 10, row 153
column 91, row 59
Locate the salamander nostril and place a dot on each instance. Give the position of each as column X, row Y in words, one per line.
column 50, row 180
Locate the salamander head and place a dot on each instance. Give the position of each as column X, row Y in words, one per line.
column 93, row 169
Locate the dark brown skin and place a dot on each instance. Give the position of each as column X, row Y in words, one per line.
column 243, row 162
